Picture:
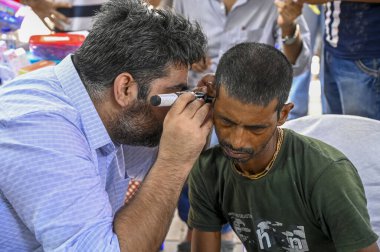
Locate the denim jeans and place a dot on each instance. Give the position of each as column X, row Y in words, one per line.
column 299, row 92
column 299, row 95
column 352, row 87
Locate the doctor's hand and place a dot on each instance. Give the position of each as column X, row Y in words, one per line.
column 185, row 130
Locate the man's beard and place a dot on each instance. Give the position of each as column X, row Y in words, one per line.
column 137, row 126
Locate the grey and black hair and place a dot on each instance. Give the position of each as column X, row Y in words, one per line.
column 255, row 74
column 130, row 36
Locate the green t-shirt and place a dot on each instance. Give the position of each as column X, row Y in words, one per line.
column 311, row 200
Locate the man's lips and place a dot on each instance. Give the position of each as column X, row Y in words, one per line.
column 235, row 154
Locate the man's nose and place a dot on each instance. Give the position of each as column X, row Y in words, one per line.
column 238, row 138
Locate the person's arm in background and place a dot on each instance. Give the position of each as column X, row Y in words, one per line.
column 166, row 3
column 205, row 241
column 46, row 10
column 155, row 3
column 288, row 12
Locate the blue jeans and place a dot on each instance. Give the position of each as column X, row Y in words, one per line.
column 299, row 93
column 352, row 87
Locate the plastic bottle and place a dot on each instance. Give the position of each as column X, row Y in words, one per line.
column 9, row 37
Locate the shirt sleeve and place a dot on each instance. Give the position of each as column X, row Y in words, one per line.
column 204, row 210
column 50, row 178
column 340, row 206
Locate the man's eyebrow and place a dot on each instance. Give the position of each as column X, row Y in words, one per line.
column 254, row 126
column 258, row 126
column 225, row 118
column 178, row 87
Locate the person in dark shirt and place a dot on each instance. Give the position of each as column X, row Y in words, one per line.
column 352, row 57
column 279, row 190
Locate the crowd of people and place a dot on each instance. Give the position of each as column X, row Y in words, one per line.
column 88, row 164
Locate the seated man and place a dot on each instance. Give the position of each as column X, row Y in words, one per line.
column 279, row 190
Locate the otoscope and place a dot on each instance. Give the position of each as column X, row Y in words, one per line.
column 163, row 100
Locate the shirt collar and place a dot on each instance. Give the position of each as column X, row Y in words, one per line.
column 73, row 86
column 236, row 4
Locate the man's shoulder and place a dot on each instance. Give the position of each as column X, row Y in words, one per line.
column 311, row 157
column 36, row 94
column 312, row 147
column 211, row 161
column 212, row 154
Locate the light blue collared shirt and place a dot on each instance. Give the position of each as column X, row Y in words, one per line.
column 61, row 177
column 247, row 21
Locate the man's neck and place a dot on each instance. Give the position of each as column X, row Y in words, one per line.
column 228, row 5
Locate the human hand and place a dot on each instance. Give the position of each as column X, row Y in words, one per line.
column 201, row 65
column 46, row 10
column 288, row 11
column 185, row 130
column 207, row 85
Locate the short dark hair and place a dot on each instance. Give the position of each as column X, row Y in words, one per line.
column 131, row 36
column 255, row 73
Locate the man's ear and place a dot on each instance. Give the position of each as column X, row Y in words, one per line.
column 284, row 113
column 125, row 89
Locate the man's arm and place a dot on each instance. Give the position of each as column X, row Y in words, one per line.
column 205, row 241
column 143, row 223
column 371, row 248
column 288, row 12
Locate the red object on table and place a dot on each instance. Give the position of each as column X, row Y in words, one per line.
column 55, row 46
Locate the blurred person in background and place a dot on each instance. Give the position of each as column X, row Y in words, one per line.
column 299, row 92
column 351, row 57
column 69, row 15
column 229, row 22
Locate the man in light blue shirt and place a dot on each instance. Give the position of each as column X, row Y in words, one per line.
column 229, row 22
column 66, row 132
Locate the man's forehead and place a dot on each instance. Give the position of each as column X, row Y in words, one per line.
column 225, row 95
column 233, row 109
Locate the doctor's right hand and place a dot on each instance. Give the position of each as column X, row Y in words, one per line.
column 185, row 130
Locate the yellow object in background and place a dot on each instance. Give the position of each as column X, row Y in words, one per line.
column 315, row 9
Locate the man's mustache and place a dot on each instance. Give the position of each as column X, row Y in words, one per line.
column 240, row 150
